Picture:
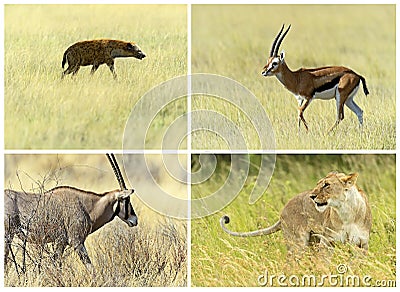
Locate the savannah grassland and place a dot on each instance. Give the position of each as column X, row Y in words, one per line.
column 154, row 253
column 235, row 40
column 218, row 259
column 87, row 112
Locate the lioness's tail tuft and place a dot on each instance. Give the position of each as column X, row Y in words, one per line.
column 225, row 219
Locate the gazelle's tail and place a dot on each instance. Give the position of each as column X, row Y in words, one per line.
column 364, row 84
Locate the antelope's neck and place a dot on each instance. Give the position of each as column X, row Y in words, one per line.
column 102, row 211
column 288, row 78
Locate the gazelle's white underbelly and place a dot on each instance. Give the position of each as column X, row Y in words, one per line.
column 327, row 94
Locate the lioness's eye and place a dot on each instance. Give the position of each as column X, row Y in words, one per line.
column 325, row 185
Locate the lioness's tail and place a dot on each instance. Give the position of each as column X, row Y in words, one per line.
column 269, row 230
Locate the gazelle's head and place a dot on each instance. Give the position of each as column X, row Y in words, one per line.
column 274, row 60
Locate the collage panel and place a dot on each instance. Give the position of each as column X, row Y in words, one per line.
column 317, row 64
column 323, row 218
column 73, row 73
column 61, row 227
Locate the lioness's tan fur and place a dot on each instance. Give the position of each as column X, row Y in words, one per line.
column 335, row 210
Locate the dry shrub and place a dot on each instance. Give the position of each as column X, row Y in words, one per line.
column 150, row 255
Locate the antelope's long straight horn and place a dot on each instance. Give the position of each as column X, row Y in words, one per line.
column 271, row 54
column 117, row 171
column 280, row 40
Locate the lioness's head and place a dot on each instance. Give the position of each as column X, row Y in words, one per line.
column 331, row 190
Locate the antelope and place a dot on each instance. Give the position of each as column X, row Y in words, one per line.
column 325, row 83
column 65, row 215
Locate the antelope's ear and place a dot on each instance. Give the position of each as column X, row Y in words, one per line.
column 282, row 56
column 349, row 180
column 122, row 195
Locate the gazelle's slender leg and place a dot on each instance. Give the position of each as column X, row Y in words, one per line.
column 300, row 102
column 301, row 111
column 334, row 126
column 354, row 107
column 339, row 111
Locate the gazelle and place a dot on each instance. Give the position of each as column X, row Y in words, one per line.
column 326, row 83
column 65, row 215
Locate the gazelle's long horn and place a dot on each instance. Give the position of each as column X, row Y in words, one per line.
column 117, row 171
column 280, row 40
column 271, row 54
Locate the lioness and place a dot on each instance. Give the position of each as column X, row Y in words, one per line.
column 335, row 210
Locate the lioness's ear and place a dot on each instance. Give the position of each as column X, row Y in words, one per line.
column 349, row 180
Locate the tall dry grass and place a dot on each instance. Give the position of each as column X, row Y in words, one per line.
column 218, row 259
column 151, row 255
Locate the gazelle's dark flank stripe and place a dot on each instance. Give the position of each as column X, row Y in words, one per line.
column 328, row 85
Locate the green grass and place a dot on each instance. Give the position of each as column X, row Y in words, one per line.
column 218, row 259
column 86, row 112
column 234, row 41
